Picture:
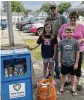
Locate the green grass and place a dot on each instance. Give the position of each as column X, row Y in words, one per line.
column 36, row 53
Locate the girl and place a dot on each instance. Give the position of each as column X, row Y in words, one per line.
column 48, row 43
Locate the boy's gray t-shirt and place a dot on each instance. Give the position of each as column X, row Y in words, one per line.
column 68, row 50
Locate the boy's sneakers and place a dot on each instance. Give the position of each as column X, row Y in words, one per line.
column 79, row 87
column 74, row 92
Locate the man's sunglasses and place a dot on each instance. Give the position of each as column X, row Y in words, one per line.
column 71, row 17
column 52, row 7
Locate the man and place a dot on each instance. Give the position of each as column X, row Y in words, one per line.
column 66, row 16
column 57, row 20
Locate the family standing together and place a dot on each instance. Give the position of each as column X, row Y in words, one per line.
column 62, row 46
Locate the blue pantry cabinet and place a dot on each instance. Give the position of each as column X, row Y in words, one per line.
column 16, row 75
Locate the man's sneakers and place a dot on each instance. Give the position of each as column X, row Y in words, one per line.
column 79, row 87
column 57, row 76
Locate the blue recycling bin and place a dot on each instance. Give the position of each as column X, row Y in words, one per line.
column 16, row 76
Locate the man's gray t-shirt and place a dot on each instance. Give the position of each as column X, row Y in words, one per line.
column 56, row 22
column 68, row 48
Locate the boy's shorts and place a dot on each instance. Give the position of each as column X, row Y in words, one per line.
column 46, row 60
column 68, row 70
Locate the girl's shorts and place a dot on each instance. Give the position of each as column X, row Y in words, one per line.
column 47, row 60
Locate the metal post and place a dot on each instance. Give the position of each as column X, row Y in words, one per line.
column 1, row 17
column 18, row 22
column 1, row 23
column 9, row 19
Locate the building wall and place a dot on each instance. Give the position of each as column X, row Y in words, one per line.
column 3, row 15
column 14, row 18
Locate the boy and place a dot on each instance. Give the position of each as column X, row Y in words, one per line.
column 68, row 58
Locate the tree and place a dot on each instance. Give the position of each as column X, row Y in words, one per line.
column 4, row 6
column 82, row 12
column 16, row 6
column 82, row 2
column 26, row 11
column 46, row 8
column 63, row 7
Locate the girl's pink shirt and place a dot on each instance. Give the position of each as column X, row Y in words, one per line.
column 77, row 34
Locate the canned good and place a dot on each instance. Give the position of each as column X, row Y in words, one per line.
column 10, row 71
column 20, row 69
column 16, row 70
column 6, row 72
column 15, row 73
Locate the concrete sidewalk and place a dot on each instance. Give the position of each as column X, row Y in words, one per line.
column 67, row 95
column 5, row 38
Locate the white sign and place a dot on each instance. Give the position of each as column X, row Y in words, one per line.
column 17, row 90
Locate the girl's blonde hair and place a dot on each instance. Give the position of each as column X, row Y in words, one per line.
column 44, row 32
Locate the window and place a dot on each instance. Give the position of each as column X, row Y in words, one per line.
column 14, row 67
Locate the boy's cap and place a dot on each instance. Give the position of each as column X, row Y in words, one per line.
column 69, row 29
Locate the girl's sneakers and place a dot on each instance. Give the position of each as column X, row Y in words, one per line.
column 60, row 92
